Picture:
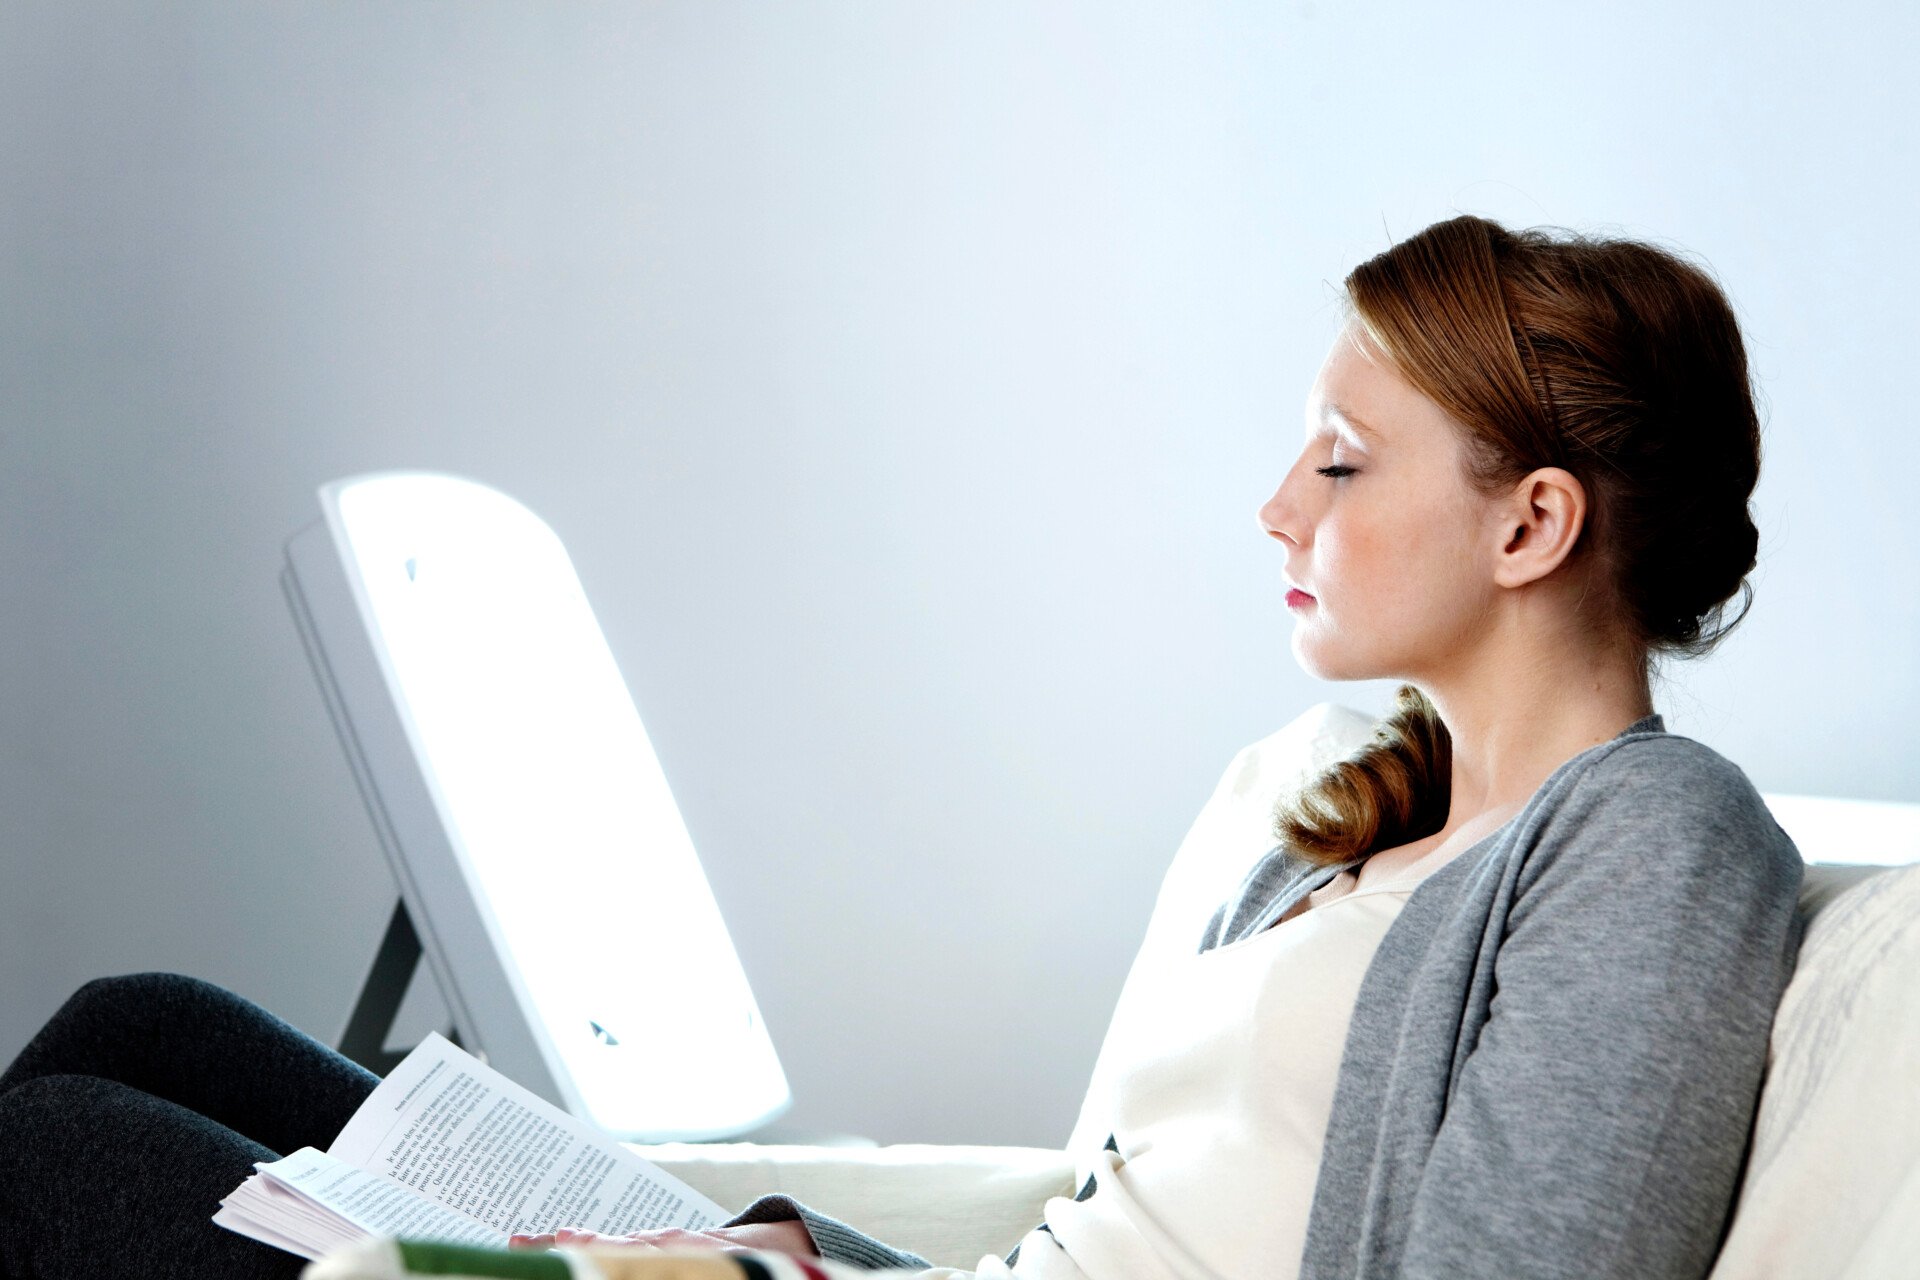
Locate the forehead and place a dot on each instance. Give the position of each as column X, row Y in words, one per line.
column 1359, row 395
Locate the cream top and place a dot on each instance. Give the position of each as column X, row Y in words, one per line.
column 1227, row 1062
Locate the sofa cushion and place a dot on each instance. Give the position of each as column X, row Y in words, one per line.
column 1832, row 1186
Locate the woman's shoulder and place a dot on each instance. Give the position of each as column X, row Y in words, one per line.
column 1658, row 802
column 1667, row 772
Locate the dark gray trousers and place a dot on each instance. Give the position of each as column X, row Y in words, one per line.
column 141, row 1103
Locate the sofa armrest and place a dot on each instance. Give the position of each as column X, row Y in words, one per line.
column 950, row 1204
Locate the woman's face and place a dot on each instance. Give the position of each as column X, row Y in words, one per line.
column 1390, row 549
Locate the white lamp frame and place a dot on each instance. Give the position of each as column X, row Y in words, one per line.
column 725, row 1079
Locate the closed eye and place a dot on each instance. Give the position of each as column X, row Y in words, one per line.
column 1335, row 472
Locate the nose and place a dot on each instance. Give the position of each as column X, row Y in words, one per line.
column 1278, row 517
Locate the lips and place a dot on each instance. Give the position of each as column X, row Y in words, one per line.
column 1298, row 599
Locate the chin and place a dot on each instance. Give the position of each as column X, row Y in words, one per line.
column 1313, row 658
column 1327, row 658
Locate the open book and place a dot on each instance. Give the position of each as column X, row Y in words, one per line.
column 449, row 1149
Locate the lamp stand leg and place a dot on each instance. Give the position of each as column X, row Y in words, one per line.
column 394, row 964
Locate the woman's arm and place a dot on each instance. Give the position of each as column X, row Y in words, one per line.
column 1598, row 1125
column 776, row 1237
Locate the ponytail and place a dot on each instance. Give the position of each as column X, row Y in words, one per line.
column 1392, row 791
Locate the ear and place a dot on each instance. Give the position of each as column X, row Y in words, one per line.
column 1540, row 520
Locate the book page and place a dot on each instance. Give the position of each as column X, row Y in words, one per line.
column 310, row 1203
column 468, row 1138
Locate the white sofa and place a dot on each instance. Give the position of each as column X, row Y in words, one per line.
column 1832, row 1188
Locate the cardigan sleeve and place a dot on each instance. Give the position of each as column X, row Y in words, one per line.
column 836, row 1241
column 1598, row 1125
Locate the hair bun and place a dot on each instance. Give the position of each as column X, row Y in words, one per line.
column 1685, row 595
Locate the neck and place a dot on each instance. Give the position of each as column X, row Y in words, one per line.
column 1516, row 712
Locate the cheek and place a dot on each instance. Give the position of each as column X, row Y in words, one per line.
column 1398, row 583
column 1367, row 589
column 1376, row 567
column 1436, row 585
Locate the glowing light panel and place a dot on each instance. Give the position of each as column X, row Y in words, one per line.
column 556, row 808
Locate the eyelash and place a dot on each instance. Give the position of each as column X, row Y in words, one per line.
column 1336, row 472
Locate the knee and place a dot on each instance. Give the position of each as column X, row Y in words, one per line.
column 131, row 995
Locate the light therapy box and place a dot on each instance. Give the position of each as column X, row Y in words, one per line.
column 540, row 858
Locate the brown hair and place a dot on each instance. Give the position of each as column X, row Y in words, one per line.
column 1614, row 359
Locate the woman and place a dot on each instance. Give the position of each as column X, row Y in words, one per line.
column 1496, row 1004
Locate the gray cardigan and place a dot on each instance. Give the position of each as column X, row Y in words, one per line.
column 1556, row 1052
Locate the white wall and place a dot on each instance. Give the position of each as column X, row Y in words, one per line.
column 904, row 378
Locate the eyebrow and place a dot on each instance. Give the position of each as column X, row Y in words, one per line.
column 1331, row 410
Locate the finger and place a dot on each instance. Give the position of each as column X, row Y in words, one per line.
column 675, row 1238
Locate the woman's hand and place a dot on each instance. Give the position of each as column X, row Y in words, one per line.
column 782, row 1237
